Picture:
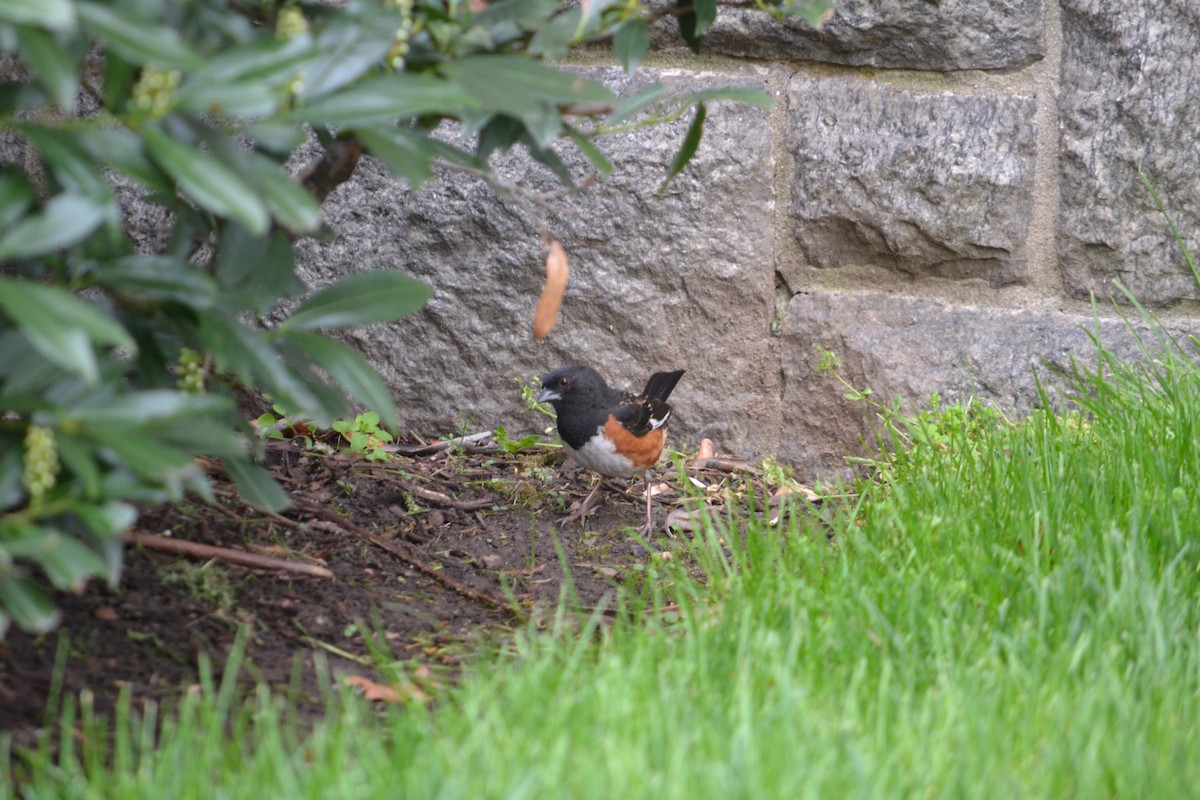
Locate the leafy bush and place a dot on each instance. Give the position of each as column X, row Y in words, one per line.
column 121, row 348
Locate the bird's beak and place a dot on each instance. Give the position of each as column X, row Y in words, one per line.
column 549, row 396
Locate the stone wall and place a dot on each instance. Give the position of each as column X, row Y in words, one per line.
column 936, row 194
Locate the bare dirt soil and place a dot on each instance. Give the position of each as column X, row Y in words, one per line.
column 439, row 552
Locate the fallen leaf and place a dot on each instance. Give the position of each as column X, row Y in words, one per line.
column 607, row 572
column 107, row 614
column 799, row 490
column 380, row 693
column 493, row 561
column 552, row 292
column 686, row 520
column 707, row 449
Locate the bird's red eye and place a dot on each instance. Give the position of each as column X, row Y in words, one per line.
column 564, row 382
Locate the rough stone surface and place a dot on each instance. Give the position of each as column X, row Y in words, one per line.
column 910, row 348
column 908, row 34
column 682, row 281
column 1130, row 95
column 929, row 184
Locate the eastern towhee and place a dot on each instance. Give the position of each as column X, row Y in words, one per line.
column 610, row 432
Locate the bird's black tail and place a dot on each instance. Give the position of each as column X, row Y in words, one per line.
column 661, row 384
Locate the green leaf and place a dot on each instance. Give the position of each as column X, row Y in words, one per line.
column 508, row 83
column 733, row 94
column 137, row 39
column 79, row 457
column 16, row 196
column 384, row 99
column 54, row 67
column 588, row 148
column 27, row 604
column 141, row 409
column 691, row 141
column 349, row 47
column 350, row 371
column 706, row 14
column 525, row 89
column 498, row 135
column 405, row 152
column 688, row 29
column 159, row 278
column 592, row 12
column 249, row 356
column 67, row 561
column 108, row 520
column 207, row 181
column 122, row 150
column 256, row 485
column 242, row 99
column 290, row 204
column 55, row 15
column 67, row 219
column 631, row 43
column 11, row 469
column 264, row 61
column 69, row 160
column 255, row 271
column 630, row 106
column 145, row 455
column 60, row 326
column 360, row 300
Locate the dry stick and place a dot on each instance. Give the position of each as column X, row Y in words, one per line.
column 439, row 498
column 153, row 541
column 399, row 553
column 437, row 447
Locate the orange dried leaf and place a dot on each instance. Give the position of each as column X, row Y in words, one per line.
column 552, row 293
column 380, row 693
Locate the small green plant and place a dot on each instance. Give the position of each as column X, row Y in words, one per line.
column 907, row 445
column 530, row 390
column 508, row 445
column 364, row 435
column 207, row 583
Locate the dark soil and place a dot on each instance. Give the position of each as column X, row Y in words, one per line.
column 439, row 553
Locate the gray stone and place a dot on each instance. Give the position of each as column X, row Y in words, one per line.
column 908, row 34
column 1129, row 96
column 681, row 281
column 909, row 348
column 929, row 184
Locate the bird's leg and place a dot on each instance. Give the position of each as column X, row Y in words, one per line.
column 585, row 508
column 649, row 507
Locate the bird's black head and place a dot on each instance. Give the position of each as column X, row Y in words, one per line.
column 571, row 383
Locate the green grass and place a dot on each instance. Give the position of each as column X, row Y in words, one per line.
column 1013, row 612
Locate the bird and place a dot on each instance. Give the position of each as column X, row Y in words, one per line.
column 613, row 433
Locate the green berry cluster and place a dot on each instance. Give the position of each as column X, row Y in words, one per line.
column 153, row 92
column 191, row 372
column 399, row 49
column 291, row 23
column 41, row 461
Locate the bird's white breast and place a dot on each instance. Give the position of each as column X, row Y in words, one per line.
column 600, row 455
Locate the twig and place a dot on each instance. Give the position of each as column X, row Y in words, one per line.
column 724, row 465
column 153, row 541
column 404, row 557
column 439, row 498
column 437, row 447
